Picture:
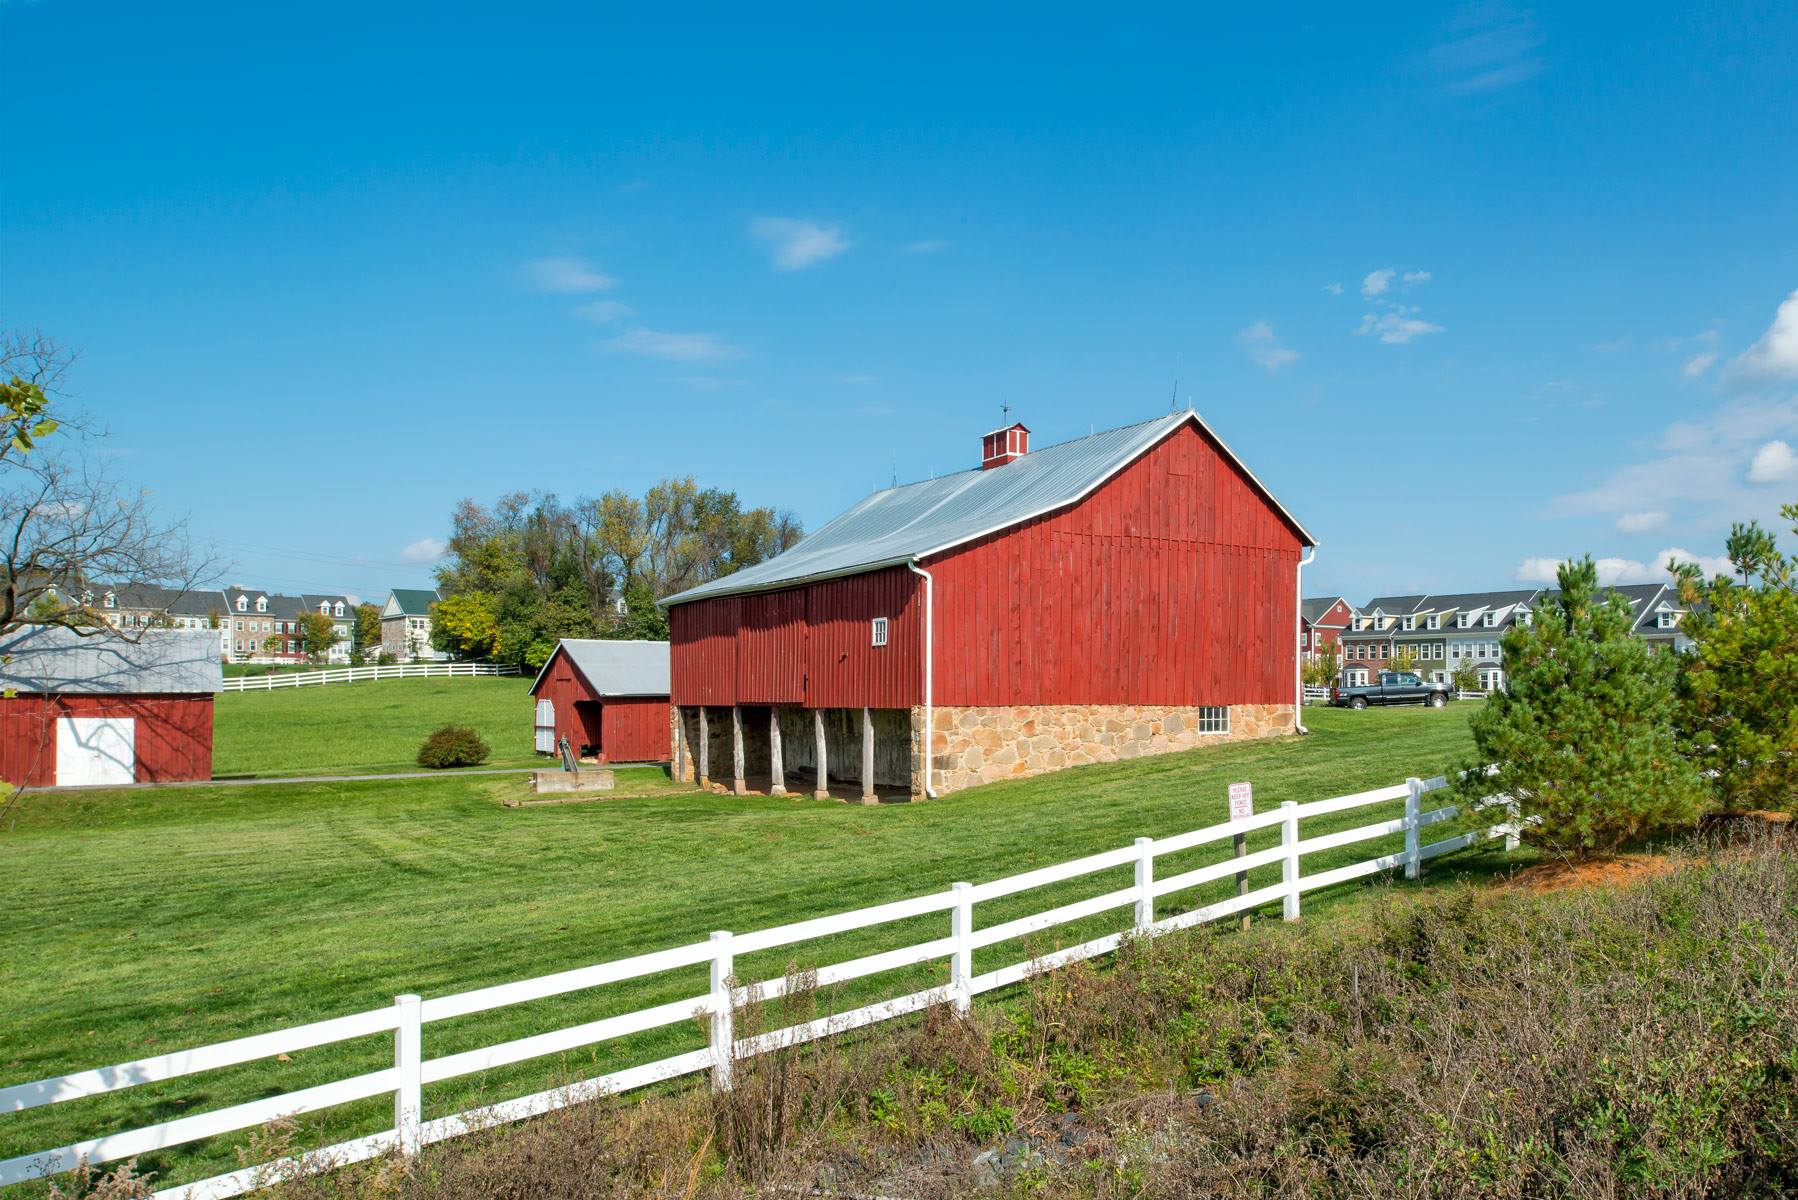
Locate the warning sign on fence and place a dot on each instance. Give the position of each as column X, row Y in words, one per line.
column 1242, row 801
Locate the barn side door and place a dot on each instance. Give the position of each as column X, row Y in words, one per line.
column 95, row 750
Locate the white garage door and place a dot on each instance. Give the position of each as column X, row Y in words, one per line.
column 92, row 750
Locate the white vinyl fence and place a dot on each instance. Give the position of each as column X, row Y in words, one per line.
column 406, row 1019
column 443, row 670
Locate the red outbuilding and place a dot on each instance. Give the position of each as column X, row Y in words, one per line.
column 107, row 709
column 1127, row 593
column 608, row 698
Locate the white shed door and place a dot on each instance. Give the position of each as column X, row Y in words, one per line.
column 92, row 750
column 546, row 727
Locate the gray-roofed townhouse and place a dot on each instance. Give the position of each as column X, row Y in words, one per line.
column 406, row 624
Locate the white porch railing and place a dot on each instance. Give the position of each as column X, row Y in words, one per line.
column 411, row 1070
column 445, row 670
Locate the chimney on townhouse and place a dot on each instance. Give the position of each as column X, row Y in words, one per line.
column 1003, row 445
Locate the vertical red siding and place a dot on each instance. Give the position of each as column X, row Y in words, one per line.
column 635, row 729
column 771, row 648
column 702, row 651
column 173, row 734
column 843, row 668
column 1172, row 583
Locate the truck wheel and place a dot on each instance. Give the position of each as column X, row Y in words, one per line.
column 1359, row 702
column 1437, row 700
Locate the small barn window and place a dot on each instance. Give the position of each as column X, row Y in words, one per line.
column 546, row 727
column 1214, row 719
column 880, row 631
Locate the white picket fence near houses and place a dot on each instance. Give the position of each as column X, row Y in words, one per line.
column 442, row 670
column 406, row 1019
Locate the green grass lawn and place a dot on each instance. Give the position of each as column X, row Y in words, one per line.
column 142, row 922
column 372, row 726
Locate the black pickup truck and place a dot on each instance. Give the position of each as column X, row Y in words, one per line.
column 1394, row 687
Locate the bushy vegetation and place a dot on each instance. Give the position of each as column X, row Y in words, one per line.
column 1583, row 737
column 1640, row 1041
column 532, row 569
column 453, row 746
column 1739, row 689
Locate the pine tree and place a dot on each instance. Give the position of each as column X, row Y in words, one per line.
column 1739, row 689
column 1583, row 737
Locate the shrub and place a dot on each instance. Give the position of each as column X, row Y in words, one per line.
column 453, row 746
column 1583, row 736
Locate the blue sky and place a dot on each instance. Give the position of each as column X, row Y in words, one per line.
column 1469, row 288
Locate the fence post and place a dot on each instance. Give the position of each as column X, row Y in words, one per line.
column 1289, row 838
column 1413, row 831
column 961, row 960
column 1240, row 844
column 1145, row 884
column 1513, row 824
column 724, row 1036
column 408, row 1059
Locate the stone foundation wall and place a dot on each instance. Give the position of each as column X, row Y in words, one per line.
column 980, row 745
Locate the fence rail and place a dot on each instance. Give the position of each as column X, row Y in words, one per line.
column 448, row 670
column 406, row 1019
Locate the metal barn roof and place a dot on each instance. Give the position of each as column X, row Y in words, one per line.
column 614, row 667
column 905, row 523
column 51, row 659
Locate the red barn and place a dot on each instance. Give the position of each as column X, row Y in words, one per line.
column 107, row 709
column 1128, row 593
column 608, row 698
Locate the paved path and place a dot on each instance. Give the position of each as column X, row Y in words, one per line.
column 190, row 783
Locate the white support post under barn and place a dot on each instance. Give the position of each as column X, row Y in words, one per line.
column 705, row 751
column 868, row 796
column 822, row 791
column 680, row 745
column 736, row 750
column 777, row 771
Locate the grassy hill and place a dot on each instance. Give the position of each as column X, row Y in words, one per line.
column 372, row 726
column 156, row 920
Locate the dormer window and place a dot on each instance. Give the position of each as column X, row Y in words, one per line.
column 262, row 604
column 1488, row 620
column 337, row 609
column 243, row 604
column 324, row 608
column 1410, row 623
column 1460, row 620
column 1360, row 624
column 112, row 601
column 1524, row 616
column 1665, row 619
column 1433, row 621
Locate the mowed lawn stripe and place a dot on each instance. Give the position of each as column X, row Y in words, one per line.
column 163, row 920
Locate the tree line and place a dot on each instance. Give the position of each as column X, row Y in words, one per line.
column 531, row 568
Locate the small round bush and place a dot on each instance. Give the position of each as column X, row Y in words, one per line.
column 453, row 746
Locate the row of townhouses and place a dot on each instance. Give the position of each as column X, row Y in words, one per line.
column 261, row 626
column 1442, row 632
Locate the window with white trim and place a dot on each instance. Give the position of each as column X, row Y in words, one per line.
column 1433, row 621
column 1488, row 620
column 1214, row 718
column 1664, row 620
column 879, row 630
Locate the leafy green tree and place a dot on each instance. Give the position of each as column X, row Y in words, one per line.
column 273, row 644
column 1583, row 738
column 1739, row 689
column 1465, row 677
column 318, row 633
column 365, row 632
column 1403, row 659
column 1320, row 670
column 466, row 625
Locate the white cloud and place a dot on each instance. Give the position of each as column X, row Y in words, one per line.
column 1335, row 289
column 1698, row 364
column 1640, row 522
column 1416, row 277
column 603, row 312
column 1614, row 571
column 1775, row 355
column 924, row 246
column 1773, row 463
column 1376, row 282
column 798, row 244
column 1259, row 340
column 672, row 347
column 1397, row 327
column 1490, row 47
column 567, row 275
column 1704, row 461
column 424, row 550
